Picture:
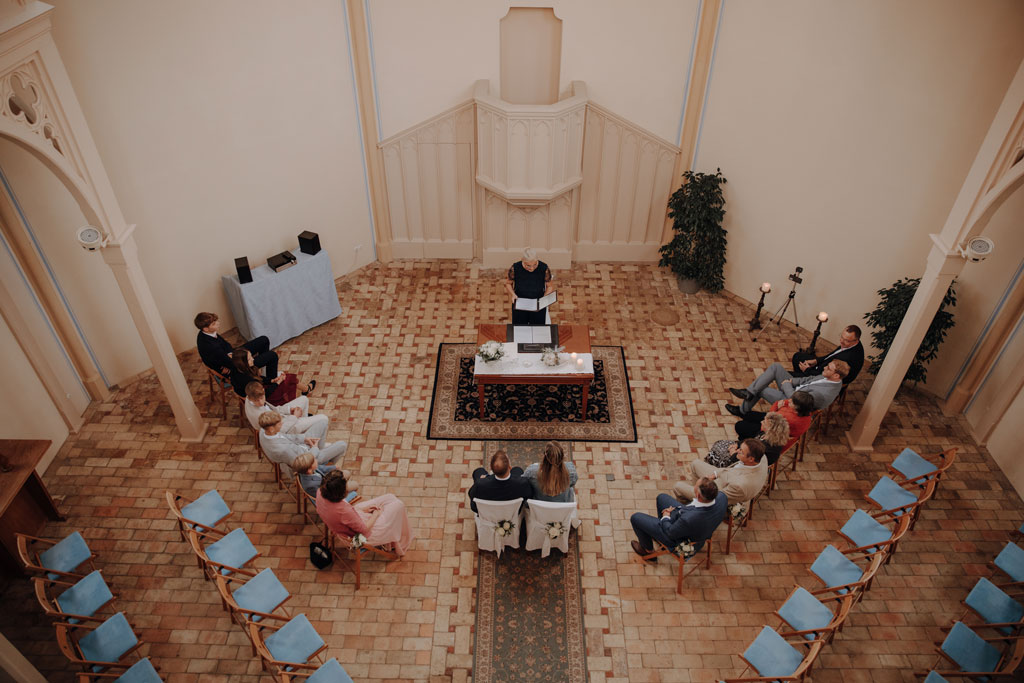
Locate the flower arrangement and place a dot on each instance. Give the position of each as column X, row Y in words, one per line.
column 686, row 549
column 504, row 528
column 490, row 351
column 555, row 529
column 358, row 541
column 549, row 356
column 737, row 510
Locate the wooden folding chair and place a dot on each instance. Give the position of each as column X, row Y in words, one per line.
column 977, row 657
column 202, row 514
column 353, row 557
column 735, row 524
column 660, row 549
column 809, row 616
column 220, row 386
column 96, row 647
column 909, row 466
column 835, row 409
column 286, row 644
column 778, row 658
column 73, row 601
column 56, row 559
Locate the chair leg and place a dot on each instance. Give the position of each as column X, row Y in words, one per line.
column 728, row 536
column 679, row 580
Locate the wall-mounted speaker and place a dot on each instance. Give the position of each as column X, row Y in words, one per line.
column 242, row 268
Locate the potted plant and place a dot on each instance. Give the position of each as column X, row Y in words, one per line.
column 697, row 252
column 889, row 314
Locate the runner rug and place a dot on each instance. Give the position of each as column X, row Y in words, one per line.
column 529, row 609
column 527, row 411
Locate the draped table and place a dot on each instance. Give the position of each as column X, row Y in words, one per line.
column 527, row 368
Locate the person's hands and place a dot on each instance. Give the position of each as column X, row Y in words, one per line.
column 278, row 379
column 297, row 411
column 666, row 512
column 713, row 476
column 311, row 442
column 806, row 364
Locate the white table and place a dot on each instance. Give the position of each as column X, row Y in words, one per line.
column 285, row 304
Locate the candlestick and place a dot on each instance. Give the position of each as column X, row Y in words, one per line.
column 755, row 322
column 822, row 318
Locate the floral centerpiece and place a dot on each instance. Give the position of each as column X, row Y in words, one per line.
column 504, row 528
column 686, row 549
column 738, row 511
column 555, row 529
column 549, row 356
column 490, row 351
column 358, row 541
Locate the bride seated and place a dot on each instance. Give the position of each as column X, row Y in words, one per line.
column 381, row 520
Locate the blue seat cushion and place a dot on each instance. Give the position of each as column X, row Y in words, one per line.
column 804, row 612
column 294, row 642
column 969, row 650
column 864, row 530
column 771, row 655
column 86, row 596
column 889, row 495
column 935, row 677
column 993, row 605
column 142, row 671
column 233, row 550
column 109, row 641
column 65, row 555
column 207, row 510
column 331, row 672
column 911, row 465
column 835, row 569
column 1011, row 560
column 261, row 593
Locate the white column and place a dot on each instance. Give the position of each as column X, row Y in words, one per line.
column 123, row 260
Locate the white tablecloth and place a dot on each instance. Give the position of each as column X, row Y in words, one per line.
column 286, row 304
column 513, row 363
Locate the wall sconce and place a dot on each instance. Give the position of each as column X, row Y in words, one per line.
column 755, row 322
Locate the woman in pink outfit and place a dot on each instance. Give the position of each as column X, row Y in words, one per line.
column 382, row 520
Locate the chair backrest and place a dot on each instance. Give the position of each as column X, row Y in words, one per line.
column 78, row 600
column 202, row 514
column 838, row 572
column 806, row 614
column 260, row 594
column 1011, row 561
column 296, row 642
column 969, row 650
column 993, row 605
column 549, row 524
column 771, row 655
column 105, row 644
column 330, row 672
column 498, row 523
column 227, row 555
column 60, row 558
column 911, row 466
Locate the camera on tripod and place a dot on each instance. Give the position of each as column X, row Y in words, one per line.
column 795, row 277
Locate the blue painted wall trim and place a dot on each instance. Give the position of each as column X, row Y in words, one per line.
column 707, row 86
column 689, row 74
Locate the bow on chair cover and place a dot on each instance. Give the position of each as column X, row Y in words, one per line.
column 492, row 527
column 545, row 548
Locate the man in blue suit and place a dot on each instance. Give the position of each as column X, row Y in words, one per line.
column 678, row 523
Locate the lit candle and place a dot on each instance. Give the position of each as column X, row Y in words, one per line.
column 766, row 287
column 573, row 355
column 579, row 362
column 823, row 317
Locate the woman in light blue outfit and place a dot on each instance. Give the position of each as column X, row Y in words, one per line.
column 552, row 479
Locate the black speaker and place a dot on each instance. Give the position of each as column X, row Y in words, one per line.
column 309, row 242
column 242, row 267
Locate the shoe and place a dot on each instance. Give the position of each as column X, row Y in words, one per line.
column 735, row 411
column 312, row 386
column 639, row 550
column 741, row 393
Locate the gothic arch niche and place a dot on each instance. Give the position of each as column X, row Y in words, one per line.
column 531, row 55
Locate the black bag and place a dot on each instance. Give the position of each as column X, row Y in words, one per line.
column 319, row 555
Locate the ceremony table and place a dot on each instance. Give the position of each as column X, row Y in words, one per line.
column 285, row 304
column 527, row 368
column 25, row 504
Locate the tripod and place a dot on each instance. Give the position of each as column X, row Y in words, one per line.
column 780, row 314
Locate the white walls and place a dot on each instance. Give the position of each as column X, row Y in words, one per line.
column 845, row 131
column 226, row 129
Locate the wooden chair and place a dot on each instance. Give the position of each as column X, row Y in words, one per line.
column 976, row 656
column 220, row 387
column 835, row 409
column 994, row 607
column 810, row 617
column 353, row 557
column 839, row 572
column 98, row 647
column 56, row 559
column 897, row 499
column 681, row 559
column 331, row 672
column 287, row 644
column 797, row 448
column 909, row 466
column 227, row 554
column 141, row 671
column 73, row 601
column 735, row 523
column 869, row 535
column 778, row 658
column 202, row 514
column 250, row 597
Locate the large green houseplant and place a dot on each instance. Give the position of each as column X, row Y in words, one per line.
column 697, row 251
column 888, row 315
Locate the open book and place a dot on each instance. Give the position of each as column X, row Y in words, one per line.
column 536, row 304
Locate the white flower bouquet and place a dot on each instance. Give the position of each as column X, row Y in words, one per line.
column 490, row 351
column 737, row 510
column 358, row 541
column 549, row 356
column 686, row 549
column 555, row 529
column 504, row 528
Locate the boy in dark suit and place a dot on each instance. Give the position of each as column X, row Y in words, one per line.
column 216, row 351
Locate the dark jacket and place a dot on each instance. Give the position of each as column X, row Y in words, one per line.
column 487, row 487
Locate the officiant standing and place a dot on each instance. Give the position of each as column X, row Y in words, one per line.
column 530, row 279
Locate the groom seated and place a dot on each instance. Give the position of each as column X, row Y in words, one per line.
column 823, row 388
column 678, row 523
column 505, row 482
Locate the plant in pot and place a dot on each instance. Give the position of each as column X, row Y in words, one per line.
column 888, row 315
column 697, row 251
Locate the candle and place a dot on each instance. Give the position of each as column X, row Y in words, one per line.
column 766, row 287
column 823, row 317
column 573, row 355
column 579, row 362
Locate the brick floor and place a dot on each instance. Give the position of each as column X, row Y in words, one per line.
column 413, row 620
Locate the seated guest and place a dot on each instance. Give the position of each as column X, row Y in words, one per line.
column 284, row 448
column 505, row 482
column 850, row 351
column 823, row 388
column 774, row 435
column 311, row 473
column 279, row 390
column 296, row 420
column 677, row 523
column 382, row 520
column 739, row 483
column 530, row 279
column 216, row 353
column 797, row 409
column 552, row 480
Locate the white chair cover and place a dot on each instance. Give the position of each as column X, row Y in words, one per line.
column 539, row 515
column 489, row 514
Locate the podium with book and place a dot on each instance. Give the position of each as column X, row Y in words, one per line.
column 521, row 362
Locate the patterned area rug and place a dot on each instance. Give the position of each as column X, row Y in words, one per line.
column 529, row 609
column 522, row 412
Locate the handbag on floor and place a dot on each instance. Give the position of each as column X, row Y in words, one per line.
column 319, row 555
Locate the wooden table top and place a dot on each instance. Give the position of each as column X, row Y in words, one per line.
column 22, row 455
column 574, row 338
